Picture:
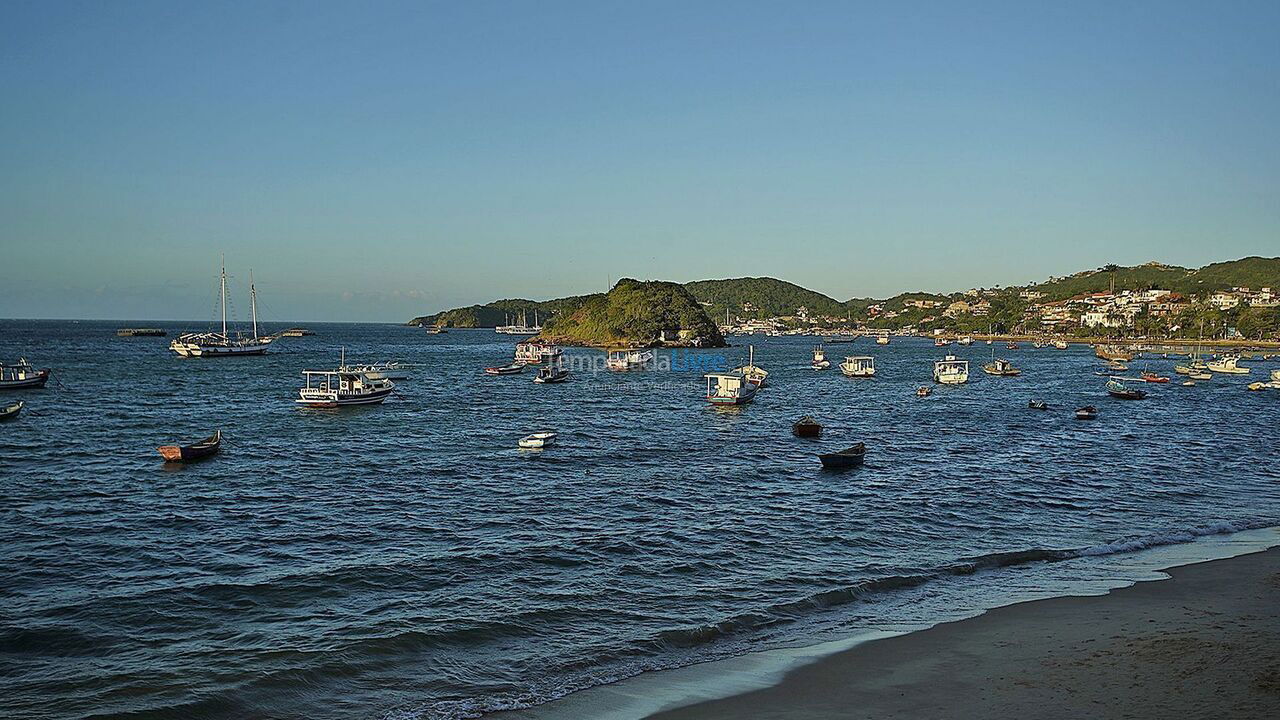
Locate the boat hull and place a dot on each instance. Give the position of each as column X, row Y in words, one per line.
column 10, row 412
column 36, row 381
column 344, row 400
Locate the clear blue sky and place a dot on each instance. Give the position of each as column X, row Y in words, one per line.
column 372, row 161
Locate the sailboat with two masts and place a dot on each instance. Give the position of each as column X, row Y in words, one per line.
column 224, row 344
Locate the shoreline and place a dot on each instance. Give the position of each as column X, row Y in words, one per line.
column 1205, row 643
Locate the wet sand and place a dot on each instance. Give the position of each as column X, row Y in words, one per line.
column 1205, row 644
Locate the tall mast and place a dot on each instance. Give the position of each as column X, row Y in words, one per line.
column 253, row 303
column 224, row 295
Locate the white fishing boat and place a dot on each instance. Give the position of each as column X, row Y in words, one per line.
column 224, row 344
column 753, row 373
column 536, row 353
column 950, row 371
column 343, row 386
column 966, row 341
column 731, row 388
column 1227, row 364
column 858, row 366
column 538, row 440
column 625, row 359
column 820, row 361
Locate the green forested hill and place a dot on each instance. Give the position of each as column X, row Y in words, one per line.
column 769, row 295
column 635, row 313
column 1252, row 272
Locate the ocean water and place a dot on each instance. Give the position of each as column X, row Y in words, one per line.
column 407, row 561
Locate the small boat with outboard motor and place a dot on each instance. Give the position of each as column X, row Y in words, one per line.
column 538, row 440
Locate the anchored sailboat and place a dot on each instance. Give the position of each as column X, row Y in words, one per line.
column 223, row 344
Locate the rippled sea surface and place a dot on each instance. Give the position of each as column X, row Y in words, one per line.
column 407, row 561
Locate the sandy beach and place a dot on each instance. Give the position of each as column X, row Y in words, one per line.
column 1204, row 644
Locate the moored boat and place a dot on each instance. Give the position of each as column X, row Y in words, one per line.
column 1060, row 344
column 512, row 369
column 842, row 459
column 553, row 372
column 965, row 341
column 806, row 427
column 10, row 412
column 729, row 388
column 190, row 453
column 1228, row 364
column 224, row 344
column 22, row 376
column 297, row 332
column 858, row 366
column 1088, row 412
column 820, row 361
column 1119, row 390
column 342, row 387
column 950, row 371
column 1112, row 352
column 1151, row 377
column 754, row 374
column 924, row 391
column 625, row 359
column 536, row 353
column 1001, row 367
column 882, row 340
column 1037, row 405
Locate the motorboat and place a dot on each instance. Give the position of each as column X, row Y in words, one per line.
column 22, row 375
column 536, row 353
column 806, row 427
column 190, row 453
column 950, row 371
column 844, row 459
column 1151, row 377
column 538, row 440
column 551, row 373
column 342, row 387
column 882, row 340
column 1037, row 405
column 626, row 359
column 1117, row 366
column 1088, row 412
column 730, row 388
column 512, row 369
column 1001, row 367
column 965, row 341
column 820, row 361
column 1228, row 364
column 858, row 366
column 1119, row 390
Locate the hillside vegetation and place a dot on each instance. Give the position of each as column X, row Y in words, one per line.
column 636, row 313
column 768, row 295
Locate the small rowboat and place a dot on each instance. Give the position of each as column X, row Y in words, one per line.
column 1037, row 405
column 1153, row 378
column 537, row 440
column 512, row 369
column 190, row 453
column 1088, row 412
column 10, row 412
column 844, row 459
column 806, row 427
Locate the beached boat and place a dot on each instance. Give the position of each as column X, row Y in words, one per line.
column 224, row 344
column 625, row 359
column 1001, row 367
column 536, row 353
column 538, row 440
column 806, row 427
column 22, row 376
column 1037, row 405
column 1088, row 412
column 342, row 387
column 858, row 366
column 10, row 412
column 820, row 361
column 730, row 388
column 924, row 391
column 1228, row 364
column 754, row 374
column 842, row 459
column 950, row 371
column 190, row 453
column 512, row 369
column 1117, row 389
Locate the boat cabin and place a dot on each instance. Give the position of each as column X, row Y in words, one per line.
column 858, row 366
column 950, row 371
column 731, row 388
